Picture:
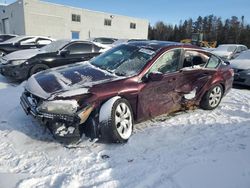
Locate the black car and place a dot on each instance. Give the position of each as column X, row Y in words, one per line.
column 5, row 37
column 22, row 64
column 23, row 42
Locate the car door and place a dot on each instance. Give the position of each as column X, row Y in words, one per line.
column 198, row 69
column 157, row 95
column 76, row 52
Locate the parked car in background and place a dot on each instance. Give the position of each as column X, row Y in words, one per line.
column 241, row 66
column 104, row 40
column 130, row 83
column 23, row 42
column 5, row 37
column 22, row 64
column 122, row 41
column 229, row 51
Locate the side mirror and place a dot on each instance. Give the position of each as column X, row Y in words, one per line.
column 227, row 62
column 64, row 52
column 16, row 44
column 155, row 76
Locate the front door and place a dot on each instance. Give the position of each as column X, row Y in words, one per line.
column 159, row 97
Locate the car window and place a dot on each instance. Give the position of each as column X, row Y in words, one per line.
column 168, row 62
column 27, row 41
column 195, row 59
column 43, row 41
column 239, row 49
column 79, row 48
column 213, row 62
column 97, row 48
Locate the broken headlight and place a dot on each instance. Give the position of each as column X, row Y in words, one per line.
column 66, row 107
column 17, row 62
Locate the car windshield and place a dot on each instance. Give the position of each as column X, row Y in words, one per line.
column 124, row 60
column 244, row 55
column 55, row 46
column 227, row 48
column 15, row 39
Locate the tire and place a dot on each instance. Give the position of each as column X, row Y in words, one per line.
column 38, row 68
column 2, row 53
column 119, row 126
column 212, row 98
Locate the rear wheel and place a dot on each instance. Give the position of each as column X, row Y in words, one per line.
column 119, row 125
column 212, row 98
column 38, row 68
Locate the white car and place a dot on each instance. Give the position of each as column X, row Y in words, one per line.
column 229, row 51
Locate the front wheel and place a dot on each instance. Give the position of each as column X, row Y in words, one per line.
column 212, row 98
column 119, row 126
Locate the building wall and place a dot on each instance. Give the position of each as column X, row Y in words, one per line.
column 15, row 16
column 48, row 19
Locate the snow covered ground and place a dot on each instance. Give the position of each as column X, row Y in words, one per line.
column 195, row 149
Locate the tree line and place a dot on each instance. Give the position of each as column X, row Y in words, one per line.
column 232, row 30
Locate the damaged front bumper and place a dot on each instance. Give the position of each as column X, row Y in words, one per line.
column 17, row 72
column 64, row 128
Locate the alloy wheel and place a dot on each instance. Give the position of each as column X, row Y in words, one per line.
column 123, row 120
column 215, row 96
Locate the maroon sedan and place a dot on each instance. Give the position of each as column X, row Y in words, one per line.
column 128, row 84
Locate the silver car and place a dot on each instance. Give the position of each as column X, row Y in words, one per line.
column 241, row 66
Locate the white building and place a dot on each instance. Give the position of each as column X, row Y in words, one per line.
column 34, row 17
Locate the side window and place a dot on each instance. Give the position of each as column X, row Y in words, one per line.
column 168, row 62
column 43, row 41
column 97, row 48
column 213, row 62
column 195, row 59
column 79, row 48
column 239, row 49
column 27, row 41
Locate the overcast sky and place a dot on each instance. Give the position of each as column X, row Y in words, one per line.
column 169, row 11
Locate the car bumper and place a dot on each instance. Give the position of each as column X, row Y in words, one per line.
column 242, row 79
column 64, row 128
column 17, row 72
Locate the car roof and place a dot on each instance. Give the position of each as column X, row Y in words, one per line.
column 157, row 45
column 231, row 45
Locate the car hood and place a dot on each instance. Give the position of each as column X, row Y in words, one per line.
column 67, row 81
column 222, row 53
column 240, row 64
column 23, row 54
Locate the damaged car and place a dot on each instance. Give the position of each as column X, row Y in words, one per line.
column 134, row 82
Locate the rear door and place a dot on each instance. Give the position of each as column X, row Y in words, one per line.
column 78, row 51
column 198, row 70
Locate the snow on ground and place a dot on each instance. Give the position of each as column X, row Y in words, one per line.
column 191, row 149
